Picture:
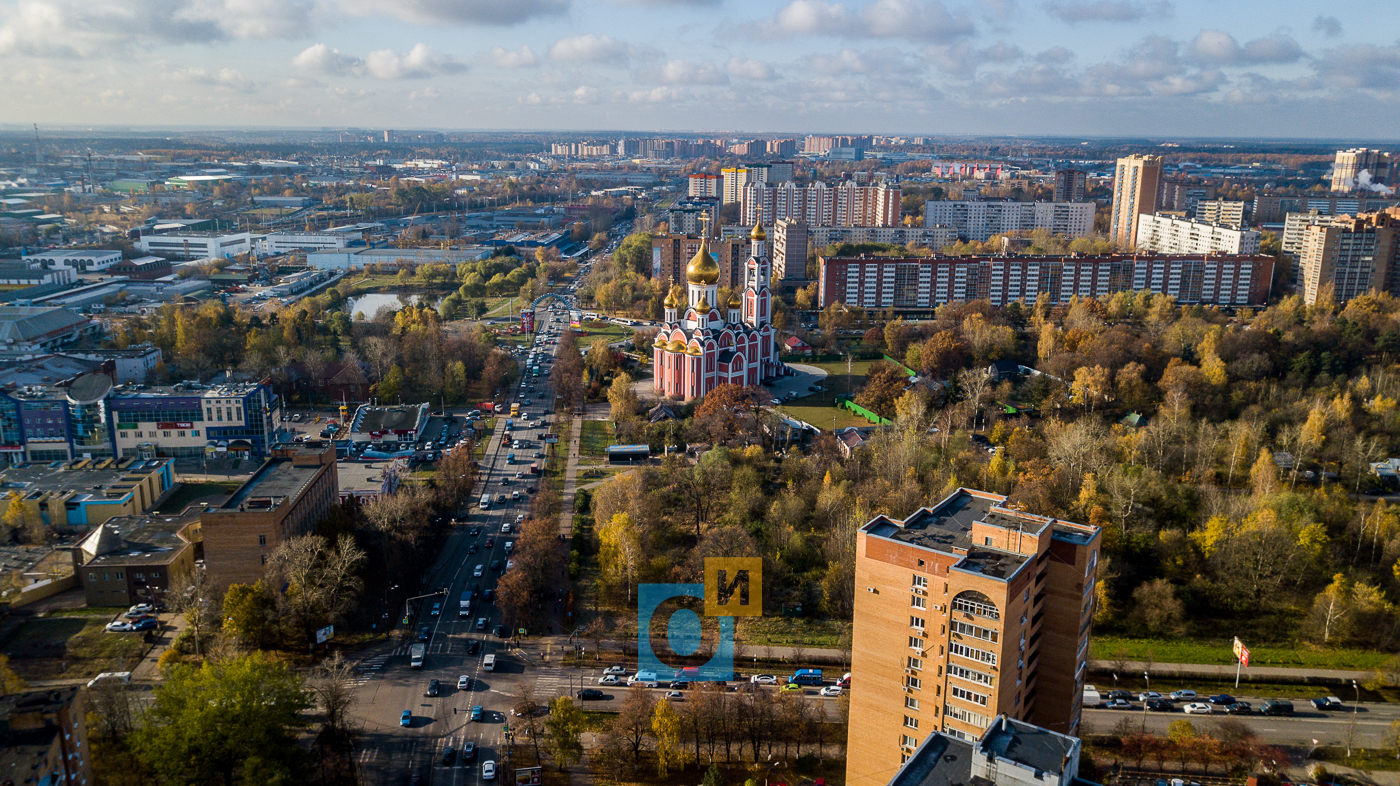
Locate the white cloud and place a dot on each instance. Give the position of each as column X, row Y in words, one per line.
column 750, row 69
column 463, row 12
column 500, row 57
column 420, row 62
column 1364, row 66
column 1075, row 11
column 228, row 78
column 684, row 72
column 67, row 28
column 426, row 94
column 586, row 94
column 915, row 20
column 658, row 95
column 321, row 59
column 1221, row 48
column 588, row 48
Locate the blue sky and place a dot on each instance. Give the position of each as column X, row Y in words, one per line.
column 1157, row 68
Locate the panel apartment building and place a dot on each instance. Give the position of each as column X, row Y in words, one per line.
column 1166, row 234
column 819, row 204
column 1347, row 257
column 1136, row 182
column 793, row 239
column 980, row 219
column 671, row 253
column 965, row 611
column 924, row 283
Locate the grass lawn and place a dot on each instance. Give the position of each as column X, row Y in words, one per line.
column 789, row 631
column 189, row 492
column 1221, row 652
column 603, row 331
column 70, row 648
column 836, row 369
column 597, row 436
column 106, row 612
column 818, row 410
column 1361, row 758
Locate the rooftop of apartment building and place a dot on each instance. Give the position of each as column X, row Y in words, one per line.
column 105, row 478
column 403, row 417
column 947, row 761
column 133, row 540
column 362, row 476
column 947, row 528
column 223, row 390
column 275, row 481
column 29, row 722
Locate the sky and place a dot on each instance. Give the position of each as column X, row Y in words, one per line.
column 1157, row 68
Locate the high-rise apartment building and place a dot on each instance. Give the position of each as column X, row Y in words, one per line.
column 1136, row 180
column 671, row 253
column 1069, row 185
column 1172, row 235
column 1360, row 169
column 782, row 147
column 735, row 178
column 1348, row 257
column 792, row 240
column 779, row 171
column 789, row 250
column 1183, row 195
column 845, row 204
column 965, row 611
column 1225, row 212
column 703, row 184
column 1295, row 230
column 689, row 216
column 980, row 219
column 1269, row 208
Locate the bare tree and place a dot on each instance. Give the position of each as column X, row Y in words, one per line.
column 194, row 595
column 331, row 684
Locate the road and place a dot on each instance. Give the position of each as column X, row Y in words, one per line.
column 1371, row 723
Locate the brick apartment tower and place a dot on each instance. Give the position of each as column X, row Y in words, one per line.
column 1136, row 181
column 964, row 611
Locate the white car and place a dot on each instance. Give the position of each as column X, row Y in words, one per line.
column 830, row 690
column 1197, row 708
column 674, row 695
column 1183, row 695
column 505, row 527
column 763, row 679
column 464, row 682
column 615, row 670
column 119, row 626
column 609, row 679
column 488, row 770
column 478, row 571
column 141, row 608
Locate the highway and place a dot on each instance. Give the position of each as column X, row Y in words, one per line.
column 1371, row 722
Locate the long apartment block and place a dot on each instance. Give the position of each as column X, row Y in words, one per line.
column 965, row 611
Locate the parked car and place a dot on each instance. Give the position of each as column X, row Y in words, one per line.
column 1183, row 695
column 145, row 623
column 119, row 626
column 140, row 608
column 1197, row 708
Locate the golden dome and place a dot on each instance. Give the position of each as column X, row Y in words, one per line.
column 758, row 233
column 702, row 268
column 675, row 346
column 671, row 300
column 703, row 307
column 660, row 342
column 693, row 350
column 734, row 300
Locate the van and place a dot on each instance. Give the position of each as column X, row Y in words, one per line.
column 489, row 663
column 485, row 501
column 110, row 677
column 806, row 677
column 1091, row 696
column 642, row 676
column 1276, row 707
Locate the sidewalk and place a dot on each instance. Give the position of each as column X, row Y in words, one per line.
column 566, row 495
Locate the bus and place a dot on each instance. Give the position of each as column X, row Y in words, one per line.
column 515, row 409
column 485, row 501
column 488, row 663
column 806, row 677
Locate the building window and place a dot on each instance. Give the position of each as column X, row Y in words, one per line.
column 921, row 581
column 965, row 651
column 976, row 604
column 916, row 622
column 912, row 682
column 119, row 575
column 988, row 541
column 264, row 559
column 916, row 601
column 967, row 695
column 140, row 576
column 916, row 643
column 968, row 716
column 92, row 577
column 975, row 631
column 908, row 742
column 914, row 663
column 911, row 703
column 194, row 433
column 911, row 723
column 971, row 675
column 262, row 540
column 921, row 563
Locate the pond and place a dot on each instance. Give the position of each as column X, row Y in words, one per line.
column 370, row 304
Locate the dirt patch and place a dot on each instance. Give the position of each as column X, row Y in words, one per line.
column 55, row 648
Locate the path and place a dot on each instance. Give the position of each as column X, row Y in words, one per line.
column 566, row 495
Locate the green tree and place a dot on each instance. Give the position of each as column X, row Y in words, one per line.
column 634, row 254
column 227, row 722
column 713, row 777
column 564, row 728
column 248, row 613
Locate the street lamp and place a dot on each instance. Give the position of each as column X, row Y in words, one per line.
column 1351, row 730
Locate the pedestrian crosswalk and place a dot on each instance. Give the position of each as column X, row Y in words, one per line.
column 368, row 668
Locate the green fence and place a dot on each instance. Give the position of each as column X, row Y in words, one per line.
column 908, row 372
column 845, row 403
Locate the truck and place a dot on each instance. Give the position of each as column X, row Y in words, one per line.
column 535, row 468
column 1091, row 696
column 464, row 606
column 487, row 406
column 415, row 655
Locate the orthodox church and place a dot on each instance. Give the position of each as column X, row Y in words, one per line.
column 704, row 343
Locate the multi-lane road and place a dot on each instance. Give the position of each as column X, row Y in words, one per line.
column 1369, row 723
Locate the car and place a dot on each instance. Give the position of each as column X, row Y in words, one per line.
column 505, row 481
column 1119, row 694
column 471, row 549
column 790, row 687
column 518, row 475
column 425, row 633
column 609, row 679
column 449, row 755
column 464, row 682
column 488, row 594
column 774, row 401
column 1183, row 695
column 1327, row 703
column 488, row 770
column 437, row 609
column 615, row 670
column 1239, row 708
column 845, row 681
column 830, row 690
column 145, row 623
column 1160, row 705
column 515, row 495
column 674, row 695
column 406, row 719
column 476, row 714
column 1148, row 694
column 678, row 684
column 478, row 571
column 434, row 688
column 518, row 519
column 1118, row 704
column 481, row 623
column 1221, row 698
column 1197, row 708
column 473, row 646
column 588, row 694
column 490, row 542
column 500, row 498
column 501, row 632
column 119, row 626
column 468, row 751
column 495, row 566
column 763, row 679
column 140, row 608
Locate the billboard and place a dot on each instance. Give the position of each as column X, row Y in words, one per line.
column 527, row 321
column 529, row 776
column 324, row 634
column 1241, row 653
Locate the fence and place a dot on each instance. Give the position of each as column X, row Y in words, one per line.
column 845, row 403
column 908, row 372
